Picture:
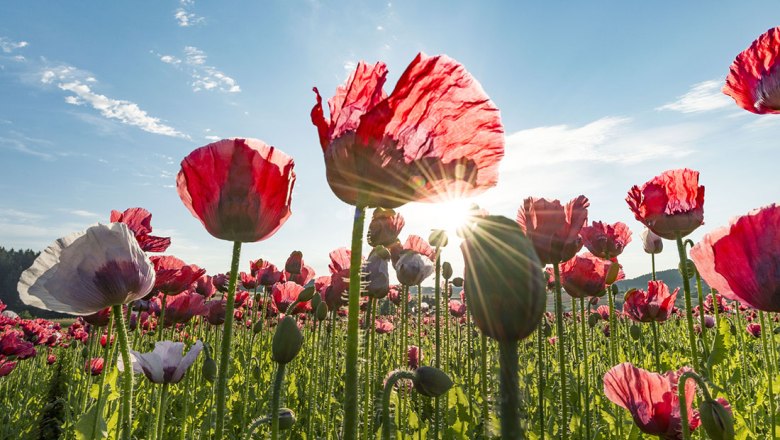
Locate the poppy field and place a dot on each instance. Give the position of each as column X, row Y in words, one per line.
column 535, row 339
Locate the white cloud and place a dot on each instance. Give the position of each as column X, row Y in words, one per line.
column 702, row 97
column 204, row 76
column 83, row 213
column 187, row 19
column 213, row 138
column 22, row 145
column 72, row 80
column 8, row 46
column 350, row 65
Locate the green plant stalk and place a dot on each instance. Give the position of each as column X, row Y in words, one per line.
column 469, row 367
column 585, row 361
column 351, row 375
column 540, row 364
column 126, row 416
column 510, row 391
column 386, row 393
column 484, row 388
column 561, row 350
column 227, row 339
column 765, row 331
column 437, row 361
column 278, row 381
column 161, row 323
column 652, row 262
column 367, row 391
column 656, row 353
column 701, row 313
column 106, row 360
column 688, row 309
column 681, row 399
column 159, row 421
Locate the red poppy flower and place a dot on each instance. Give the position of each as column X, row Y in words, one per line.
column 294, row 263
column 655, row 304
column 247, row 280
column 753, row 329
column 173, row 275
column 604, row 240
column 457, row 308
column 284, row 294
column 215, row 312
column 383, row 326
column 651, row 398
column 204, row 286
column 554, row 229
column 414, row 355
column 742, row 261
column 182, row 308
column 305, row 275
column 266, row 273
column 139, row 221
column 385, row 226
column 12, row 344
column 587, row 275
column 6, row 367
column 754, row 77
column 436, row 136
column 670, row 203
column 94, row 366
column 99, row 318
column 240, row 189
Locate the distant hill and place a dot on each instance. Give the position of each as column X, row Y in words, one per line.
column 12, row 264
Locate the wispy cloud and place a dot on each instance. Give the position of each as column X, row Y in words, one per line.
column 7, row 45
column 83, row 213
column 204, row 76
column 26, row 145
column 80, row 83
column 702, row 97
column 184, row 17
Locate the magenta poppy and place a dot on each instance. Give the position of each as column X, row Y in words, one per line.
column 754, row 329
column 414, row 356
column 266, row 273
column 655, row 304
column 12, row 344
column 247, row 280
column 99, row 318
column 669, row 204
column 754, row 76
column 174, row 275
column 587, row 275
column 604, row 240
column 240, row 189
column 651, row 398
column 94, row 366
column 6, row 367
column 139, row 221
column 383, row 326
column 554, row 229
column 204, row 286
column 457, row 308
column 215, row 312
column 181, row 308
column 294, row 263
column 436, row 136
column 742, row 260
column 284, row 294
column 303, row 277
column 385, row 226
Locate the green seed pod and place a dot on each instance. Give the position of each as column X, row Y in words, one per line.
column 286, row 418
column 717, row 420
column 431, row 382
column 84, row 352
column 546, row 329
column 457, row 282
column 612, row 274
column 593, row 319
column 446, row 270
column 258, row 326
column 438, row 238
column 635, row 332
column 691, row 269
column 505, row 289
column 287, row 341
column 306, row 294
column 322, row 311
column 209, row 369
column 315, row 301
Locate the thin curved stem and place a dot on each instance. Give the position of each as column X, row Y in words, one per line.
column 276, row 397
column 227, row 337
column 386, row 393
column 687, row 290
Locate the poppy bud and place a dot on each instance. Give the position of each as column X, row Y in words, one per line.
column 306, row 294
column 412, row 268
column 504, row 288
column 457, row 282
column 287, row 341
column 286, row 418
column 322, row 311
column 84, row 352
column 446, row 270
column 635, row 332
column 258, row 327
column 431, row 382
column 294, row 263
column 547, row 329
column 438, row 238
column 209, row 369
column 593, row 319
column 612, row 273
column 691, row 269
column 652, row 243
column 716, row 419
column 316, row 300
column 384, row 228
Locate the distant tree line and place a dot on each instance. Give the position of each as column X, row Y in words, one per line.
column 12, row 264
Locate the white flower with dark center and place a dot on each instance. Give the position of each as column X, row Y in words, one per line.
column 166, row 363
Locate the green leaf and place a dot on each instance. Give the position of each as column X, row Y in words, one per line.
column 85, row 424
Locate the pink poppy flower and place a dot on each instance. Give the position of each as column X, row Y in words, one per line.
column 554, row 229
column 604, row 240
column 655, row 304
column 173, row 275
column 754, row 76
column 139, row 221
column 587, row 275
column 670, row 203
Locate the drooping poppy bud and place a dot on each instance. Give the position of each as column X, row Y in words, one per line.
column 652, row 243
column 688, row 270
column 412, row 268
column 457, row 282
column 322, row 311
column 287, row 341
column 286, row 418
column 504, row 288
column 431, row 382
column 209, row 369
column 716, row 418
column 376, row 274
column 294, row 263
column 446, row 270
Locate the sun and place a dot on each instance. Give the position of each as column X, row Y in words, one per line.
column 422, row 218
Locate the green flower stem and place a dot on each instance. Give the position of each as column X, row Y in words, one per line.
column 161, row 321
column 437, row 361
column 510, row 391
column 652, row 262
column 386, row 393
column 126, row 416
column 765, row 332
column 561, row 351
column 227, row 339
column 367, row 384
column 277, row 392
column 688, row 308
column 351, row 374
column 159, row 421
column 106, row 360
column 686, row 430
column 586, row 368
column 540, row 364
column 656, row 352
column 484, row 388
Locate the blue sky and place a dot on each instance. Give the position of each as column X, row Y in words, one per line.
column 101, row 101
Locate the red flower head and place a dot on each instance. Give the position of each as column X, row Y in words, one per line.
column 50, row 359
column 221, row 282
column 139, row 221
column 294, row 263
column 457, row 308
column 173, row 275
column 306, row 274
column 383, row 326
column 384, row 228
column 266, row 273
column 247, row 280
column 6, row 367
column 12, row 344
column 604, row 240
column 182, row 308
column 654, row 305
column 554, row 229
column 651, row 398
column 754, row 329
column 587, row 275
column 215, row 312
column 414, row 355
column 742, row 261
column 284, row 294
column 99, row 318
column 240, row 189
column 754, row 77
column 204, row 286
column 436, row 136
column 94, row 366
column 603, row 312
column 670, row 203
